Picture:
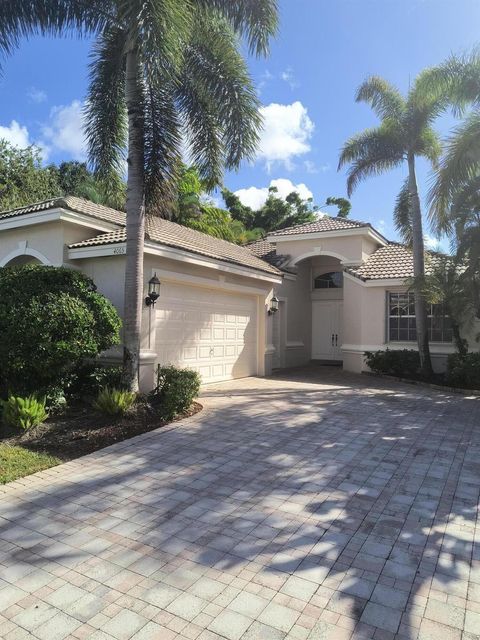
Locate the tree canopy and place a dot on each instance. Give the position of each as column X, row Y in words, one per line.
column 24, row 179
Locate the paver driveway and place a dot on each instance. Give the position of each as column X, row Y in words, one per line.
column 319, row 505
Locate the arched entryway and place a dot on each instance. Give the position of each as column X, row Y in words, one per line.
column 23, row 256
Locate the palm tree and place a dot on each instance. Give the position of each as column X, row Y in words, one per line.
column 165, row 74
column 405, row 133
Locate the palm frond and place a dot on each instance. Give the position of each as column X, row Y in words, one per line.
column 20, row 19
column 384, row 98
column 162, row 149
column 402, row 217
column 370, row 152
column 105, row 111
column 429, row 145
column 460, row 165
column 212, row 55
column 255, row 20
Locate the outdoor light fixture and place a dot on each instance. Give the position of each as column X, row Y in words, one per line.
column 153, row 291
column 273, row 305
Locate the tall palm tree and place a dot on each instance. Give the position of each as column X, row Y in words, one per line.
column 165, row 74
column 405, row 133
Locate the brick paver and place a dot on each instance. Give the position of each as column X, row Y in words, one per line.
column 314, row 505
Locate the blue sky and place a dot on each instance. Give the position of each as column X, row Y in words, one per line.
column 324, row 49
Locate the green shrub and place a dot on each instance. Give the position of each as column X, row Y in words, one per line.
column 176, row 389
column 463, row 371
column 51, row 319
column 114, row 402
column 403, row 363
column 89, row 379
column 23, row 413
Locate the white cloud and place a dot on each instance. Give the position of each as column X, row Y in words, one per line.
column 431, row 242
column 16, row 135
column 288, row 77
column 37, row 95
column 255, row 197
column 64, row 131
column 287, row 130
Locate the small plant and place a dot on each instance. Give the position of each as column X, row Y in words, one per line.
column 23, row 413
column 114, row 402
column 403, row 363
column 176, row 389
column 463, row 372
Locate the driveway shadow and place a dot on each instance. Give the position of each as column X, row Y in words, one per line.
column 354, row 495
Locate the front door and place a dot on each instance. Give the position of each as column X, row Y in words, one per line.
column 327, row 316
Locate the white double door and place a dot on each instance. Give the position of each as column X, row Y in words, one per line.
column 327, row 321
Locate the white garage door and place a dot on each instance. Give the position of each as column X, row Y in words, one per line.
column 212, row 332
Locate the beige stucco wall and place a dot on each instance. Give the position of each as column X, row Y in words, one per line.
column 348, row 248
column 297, row 310
column 365, row 327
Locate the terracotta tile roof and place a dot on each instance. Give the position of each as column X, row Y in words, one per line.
column 171, row 234
column 324, row 223
column 393, row 261
column 78, row 205
column 158, row 230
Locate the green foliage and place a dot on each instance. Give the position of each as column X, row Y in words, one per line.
column 23, row 413
column 89, row 379
column 463, row 371
column 276, row 213
column 114, row 402
column 176, row 389
column 403, row 363
column 23, row 179
column 344, row 206
column 51, row 319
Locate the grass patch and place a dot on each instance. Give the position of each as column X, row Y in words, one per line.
column 16, row 462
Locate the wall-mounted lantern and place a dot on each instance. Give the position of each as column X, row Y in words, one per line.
column 153, row 291
column 273, row 308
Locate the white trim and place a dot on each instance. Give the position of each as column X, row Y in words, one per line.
column 97, row 251
column 53, row 215
column 383, row 282
column 354, row 231
column 77, row 253
column 294, row 344
column 206, row 283
column 290, row 276
column 23, row 250
column 439, row 348
column 319, row 252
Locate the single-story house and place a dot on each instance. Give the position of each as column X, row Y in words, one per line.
column 340, row 287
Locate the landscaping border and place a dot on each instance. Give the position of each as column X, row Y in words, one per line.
column 426, row 385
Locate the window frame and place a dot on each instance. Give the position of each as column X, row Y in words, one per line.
column 327, row 273
column 445, row 330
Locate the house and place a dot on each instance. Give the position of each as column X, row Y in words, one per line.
column 339, row 283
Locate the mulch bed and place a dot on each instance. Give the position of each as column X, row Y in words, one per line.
column 80, row 430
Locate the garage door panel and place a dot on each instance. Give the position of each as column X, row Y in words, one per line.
column 212, row 332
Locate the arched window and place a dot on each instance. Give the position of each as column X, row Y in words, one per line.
column 330, row 280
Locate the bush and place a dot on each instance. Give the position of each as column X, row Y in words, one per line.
column 23, row 413
column 51, row 319
column 463, row 371
column 89, row 379
column 114, row 402
column 176, row 389
column 404, row 363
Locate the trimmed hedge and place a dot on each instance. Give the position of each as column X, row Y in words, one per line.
column 175, row 392
column 463, row 372
column 51, row 319
column 403, row 363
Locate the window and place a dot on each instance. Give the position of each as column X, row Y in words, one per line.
column 401, row 320
column 331, row 280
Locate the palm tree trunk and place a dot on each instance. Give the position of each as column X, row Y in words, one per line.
column 418, row 269
column 135, row 223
